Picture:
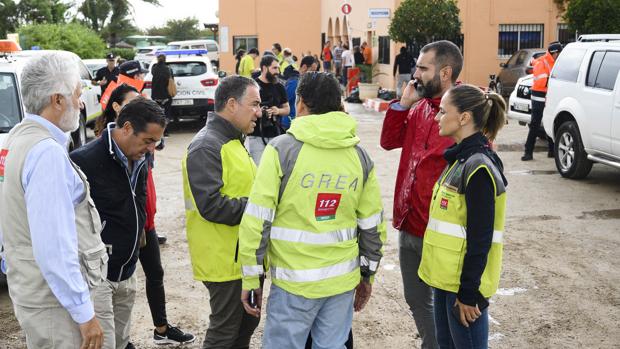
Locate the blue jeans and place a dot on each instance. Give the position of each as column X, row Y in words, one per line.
column 290, row 318
column 451, row 334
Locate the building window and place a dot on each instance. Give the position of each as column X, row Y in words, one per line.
column 245, row 42
column 565, row 36
column 514, row 37
column 384, row 50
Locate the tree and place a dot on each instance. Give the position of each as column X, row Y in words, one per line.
column 8, row 13
column 42, row 11
column 95, row 13
column 179, row 29
column 593, row 16
column 422, row 21
column 72, row 37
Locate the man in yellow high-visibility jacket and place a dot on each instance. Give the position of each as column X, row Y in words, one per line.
column 315, row 218
column 217, row 177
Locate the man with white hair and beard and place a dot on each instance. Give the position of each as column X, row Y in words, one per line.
column 49, row 228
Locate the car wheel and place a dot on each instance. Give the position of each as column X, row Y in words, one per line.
column 571, row 159
column 78, row 137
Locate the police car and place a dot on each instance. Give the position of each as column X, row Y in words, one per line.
column 195, row 79
column 11, row 107
column 519, row 103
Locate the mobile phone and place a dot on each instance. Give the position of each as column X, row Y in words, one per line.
column 415, row 83
column 253, row 303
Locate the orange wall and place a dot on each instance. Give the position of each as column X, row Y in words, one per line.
column 293, row 24
column 299, row 25
column 480, row 26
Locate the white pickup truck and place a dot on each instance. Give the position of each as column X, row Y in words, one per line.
column 582, row 112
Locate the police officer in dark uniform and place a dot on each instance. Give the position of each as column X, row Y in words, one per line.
column 107, row 74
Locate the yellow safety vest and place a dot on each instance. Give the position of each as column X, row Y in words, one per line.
column 445, row 241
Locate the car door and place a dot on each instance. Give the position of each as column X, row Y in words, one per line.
column 598, row 97
column 89, row 93
column 615, row 121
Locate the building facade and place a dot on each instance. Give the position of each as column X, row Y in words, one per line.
column 492, row 30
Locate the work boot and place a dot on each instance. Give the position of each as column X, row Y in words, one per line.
column 527, row 157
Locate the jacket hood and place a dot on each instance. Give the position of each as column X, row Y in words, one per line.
column 332, row 130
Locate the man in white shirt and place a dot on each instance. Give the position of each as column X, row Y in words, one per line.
column 348, row 62
column 49, row 228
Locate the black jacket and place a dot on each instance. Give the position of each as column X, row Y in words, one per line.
column 123, row 214
column 161, row 76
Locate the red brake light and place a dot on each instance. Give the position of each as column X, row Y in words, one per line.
column 148, row 84
column 209, row 82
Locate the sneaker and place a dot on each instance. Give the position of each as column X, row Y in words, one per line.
column 161, row 239
column 173, row 335
column 527, row 157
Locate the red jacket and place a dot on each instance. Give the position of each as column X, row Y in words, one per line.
column 421, row 161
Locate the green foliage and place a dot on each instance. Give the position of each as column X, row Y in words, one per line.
column 95, row 13
column 423, row 21
column 72, row 37
column 42, row 11
column 8, row 13
column 179, row 29
column 126, row 53
column 593, row 16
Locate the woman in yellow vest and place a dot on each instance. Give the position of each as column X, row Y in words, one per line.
column 462, row 251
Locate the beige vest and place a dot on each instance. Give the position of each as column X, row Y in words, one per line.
column 27, row 286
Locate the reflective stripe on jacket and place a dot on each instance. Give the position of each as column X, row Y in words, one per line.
column 315, row 211
column 445, row 241
column 218, row 174
column 542, row 71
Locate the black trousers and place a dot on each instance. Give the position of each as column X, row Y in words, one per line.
column 230, row 327
column 151, row 264
column 537, row 115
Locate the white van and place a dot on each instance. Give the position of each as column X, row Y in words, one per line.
column 582, row 113
column 10, row 99
column 211, row 46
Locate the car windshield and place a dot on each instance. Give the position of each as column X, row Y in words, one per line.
column 187, row 68
column 173, row 47
column 10, row 109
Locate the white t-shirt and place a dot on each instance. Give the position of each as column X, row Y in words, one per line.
column 347, row 58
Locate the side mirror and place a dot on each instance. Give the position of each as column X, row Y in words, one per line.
column 221, row 74
column 503, row 65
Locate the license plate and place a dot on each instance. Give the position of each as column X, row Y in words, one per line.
column 522, row 107
column 182, row 102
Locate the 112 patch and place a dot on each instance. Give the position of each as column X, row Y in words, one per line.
column 326, row 206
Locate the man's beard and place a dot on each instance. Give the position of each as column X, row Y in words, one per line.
column 272, row 78
column 429, row 89
column 70, row 120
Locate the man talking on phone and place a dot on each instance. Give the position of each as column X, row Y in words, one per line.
column 409, row 124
